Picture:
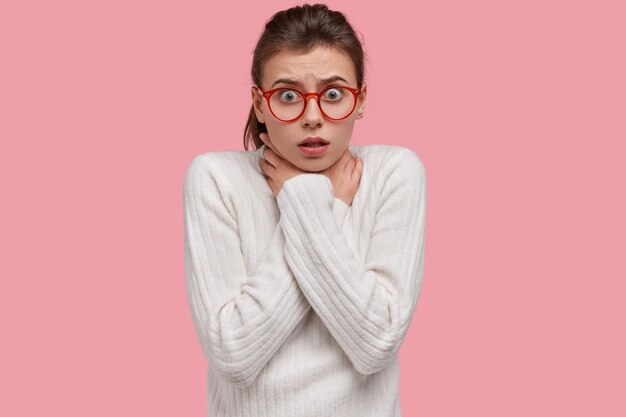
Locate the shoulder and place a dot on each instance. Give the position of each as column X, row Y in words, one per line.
column 391, row 159
column 220, row 171
column 220, row 163
column 215, row 160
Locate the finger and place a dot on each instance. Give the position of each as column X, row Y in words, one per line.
column 347, row 168
column 269, row 156
column 349, row 165
column 266, row 140
column 264, row 137
column 266, row 167
column 358, row 169
column 278, row 154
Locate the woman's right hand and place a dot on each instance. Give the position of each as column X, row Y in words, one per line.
column 345, row 175
column 276, row 169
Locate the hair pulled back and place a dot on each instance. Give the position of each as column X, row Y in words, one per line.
column 301, row 29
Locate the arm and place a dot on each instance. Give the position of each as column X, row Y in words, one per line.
column 340, row 211
column 367, row 308
column 241, row 318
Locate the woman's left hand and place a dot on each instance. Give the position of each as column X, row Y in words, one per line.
column 275, row 168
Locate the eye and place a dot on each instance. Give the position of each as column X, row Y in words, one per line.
column 288, row 95
column 334, row 93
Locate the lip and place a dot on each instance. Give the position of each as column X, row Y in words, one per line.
column 313, row 139
column 314, row 151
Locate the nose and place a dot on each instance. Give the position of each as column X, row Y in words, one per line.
column 312, row 114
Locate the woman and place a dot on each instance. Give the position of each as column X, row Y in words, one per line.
column 304, row 264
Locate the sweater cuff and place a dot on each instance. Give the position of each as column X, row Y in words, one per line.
column 317, row 185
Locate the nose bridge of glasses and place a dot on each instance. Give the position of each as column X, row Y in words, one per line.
column 308, row 96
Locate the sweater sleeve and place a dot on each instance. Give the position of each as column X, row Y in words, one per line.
column 341, row 212
column 241, row 318
column 366, row 307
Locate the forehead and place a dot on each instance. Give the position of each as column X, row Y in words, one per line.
column 320, row 62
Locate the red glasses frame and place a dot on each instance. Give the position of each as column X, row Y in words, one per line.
column 268, row 95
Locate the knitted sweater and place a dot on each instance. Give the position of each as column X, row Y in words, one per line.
column 301, row 302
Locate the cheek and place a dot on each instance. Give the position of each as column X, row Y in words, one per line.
column 344, row 133
column 281, row 137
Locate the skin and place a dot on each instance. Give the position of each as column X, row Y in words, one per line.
column 284, row 160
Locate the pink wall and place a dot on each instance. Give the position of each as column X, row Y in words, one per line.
column 516, row 108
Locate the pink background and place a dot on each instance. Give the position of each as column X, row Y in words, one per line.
column 516, row 108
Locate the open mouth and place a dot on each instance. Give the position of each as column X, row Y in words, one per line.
column 313, row 144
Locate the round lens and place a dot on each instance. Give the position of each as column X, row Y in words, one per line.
column 287, row 104
column 337, row 102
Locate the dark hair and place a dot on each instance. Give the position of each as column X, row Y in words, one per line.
column 300, row 29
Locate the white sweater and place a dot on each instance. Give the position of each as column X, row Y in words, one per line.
column 255, row 265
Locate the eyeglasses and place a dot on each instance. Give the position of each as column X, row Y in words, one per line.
column 335, row 102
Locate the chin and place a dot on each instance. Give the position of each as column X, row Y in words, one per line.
column 313, row 166
column 312, row 169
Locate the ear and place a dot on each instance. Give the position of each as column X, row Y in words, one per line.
column 362, row 97
column 257, row 103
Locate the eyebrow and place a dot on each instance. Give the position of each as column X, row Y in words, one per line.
column 323, row 80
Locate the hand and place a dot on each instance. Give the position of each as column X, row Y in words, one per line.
column 345, row 175
column 276, row 169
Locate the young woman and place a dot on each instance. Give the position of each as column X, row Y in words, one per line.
column 304, row 262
